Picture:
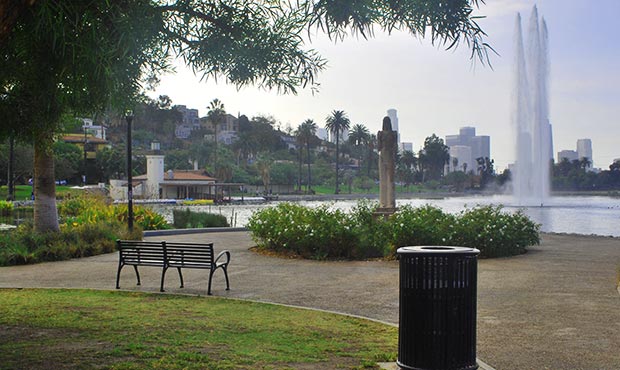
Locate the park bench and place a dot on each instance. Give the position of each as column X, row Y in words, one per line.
column 171, row 255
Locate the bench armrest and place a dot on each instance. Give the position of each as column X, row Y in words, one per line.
column 225, row 254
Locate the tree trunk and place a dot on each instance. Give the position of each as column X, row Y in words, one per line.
column 370, row 151
column 299, row 174
column 337, row 191
column 45, row 212
column 215, row 146
column 308, row 159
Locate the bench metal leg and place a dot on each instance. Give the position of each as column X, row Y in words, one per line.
column 211, row 272
column 118, row 275
column 137, row 273
column 226, row 276
column 163, row 275
column 210, row 278
column 180, row 276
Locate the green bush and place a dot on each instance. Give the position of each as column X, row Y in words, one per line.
column 493, row 232
column 144, row 217
column 325, row 233
column 426, row 225
column 186, row 219
column 24, row 246
column 370, row 231
column 92, row 209
column 310, row 232
column 6, row 208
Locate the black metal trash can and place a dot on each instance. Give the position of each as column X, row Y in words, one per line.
column 438, row 287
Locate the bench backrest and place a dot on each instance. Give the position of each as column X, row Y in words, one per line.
column 191, row 255
column 143, row 253
column 194, row 255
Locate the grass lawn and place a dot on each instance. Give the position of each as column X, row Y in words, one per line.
column 24, row 192
column 59, row 329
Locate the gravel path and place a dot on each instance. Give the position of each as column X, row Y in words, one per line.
column 556, row 307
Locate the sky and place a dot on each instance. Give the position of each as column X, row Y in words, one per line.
column 437, row 91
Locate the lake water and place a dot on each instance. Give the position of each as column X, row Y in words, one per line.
column 587, row 215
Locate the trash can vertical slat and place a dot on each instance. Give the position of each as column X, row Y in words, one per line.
column 438, row 287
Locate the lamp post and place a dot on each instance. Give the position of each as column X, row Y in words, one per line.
column 11, row 180
column 85, row 157
column 129, row 118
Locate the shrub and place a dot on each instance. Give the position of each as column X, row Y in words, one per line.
column 6, row 208
column 371, row 232
column 92, row 209
column 23, row 245
column 310, row 232
column 493, row 232
column 324, row 233
column 186, row 219
column 144, row 217
column 426, row 225
column 72, row 207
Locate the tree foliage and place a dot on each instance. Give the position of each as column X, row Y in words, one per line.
column 81, row 57
column 433, row 157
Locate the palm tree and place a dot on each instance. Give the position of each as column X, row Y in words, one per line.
column 359, row 137
column 409, row 159
column 585, row 163
column 336, row 123
column 263, row 164
column 306, row 133
column 215, row 115
column 372, row 144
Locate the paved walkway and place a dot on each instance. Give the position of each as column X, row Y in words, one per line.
column 555, row 307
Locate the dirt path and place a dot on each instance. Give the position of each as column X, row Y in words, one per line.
column 555, row 307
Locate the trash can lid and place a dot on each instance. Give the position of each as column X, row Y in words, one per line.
column 437, row 249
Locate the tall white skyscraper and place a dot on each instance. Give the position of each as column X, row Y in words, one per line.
column 394, row 119
column 584, row 150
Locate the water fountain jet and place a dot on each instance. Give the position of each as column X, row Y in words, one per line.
column 531, row 177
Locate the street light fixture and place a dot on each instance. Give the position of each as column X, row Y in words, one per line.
column 129, row 118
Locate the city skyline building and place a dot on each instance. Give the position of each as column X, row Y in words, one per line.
column 479, row 146
column 405, row 146
column 393, row 114
column 570, row 155
column 584, row 150
column 461, row 159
